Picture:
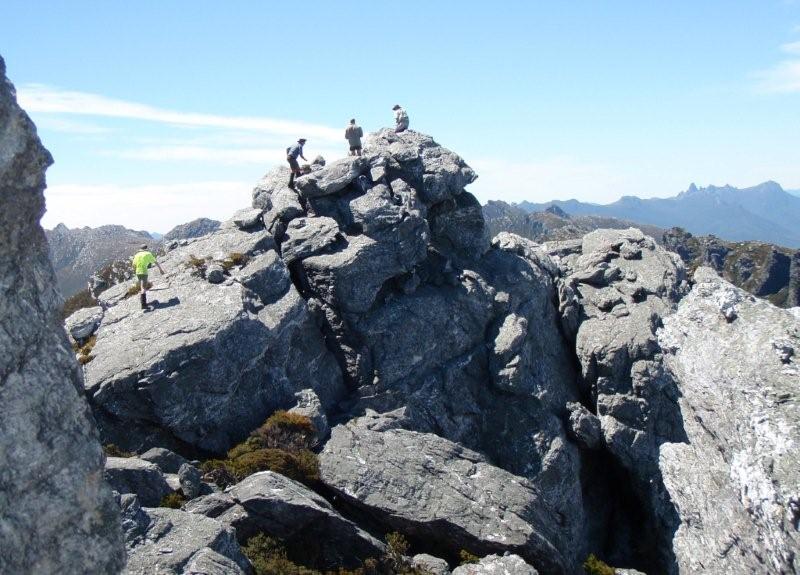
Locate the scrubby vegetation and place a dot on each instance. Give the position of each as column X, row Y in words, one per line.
column 270, row 557
column 80, row 300
column 282, row 444
column 173, row 500
column 85, row 351
column 198, row 265
column 234, row 259
column 136, row 288
column 114, row 451
column 467, row 557
column 594, row 566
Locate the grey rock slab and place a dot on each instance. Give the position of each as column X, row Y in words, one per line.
column 434, row 489
column 83, row 323
column 190, row 480
column 584, row 426
column 211, row 362
column 736, row 481
column 305, row 237
column 170, row 541
column 309, row 405
column 332, row 178
column 271, row 503
column 248, row 218
column 57, row 514
column 166, row 460
column 134, row 475
column 497, row 565
column 430, row 564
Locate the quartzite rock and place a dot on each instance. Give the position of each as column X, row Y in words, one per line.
column 497, row 565
column 439, row 492
column 166, row 460
column 736, row 481
column 273, row 504
column 83, row 323
column 56, row 512
column 165, row 540
column 134, row 475
column 210, row 362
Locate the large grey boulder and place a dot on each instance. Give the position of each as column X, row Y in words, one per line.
column 209, row 362
column 170, row 541
column 134, row 475
column 56, row 512
column 166, row 460
column 331, row 178
column 435, row 490
column 736, row 480
column 83, row 323
column 270, row 503
column 497, row 565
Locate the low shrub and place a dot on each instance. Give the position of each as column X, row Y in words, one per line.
column 136, row 288
column 594, row 566
column 234, row 259
column 302, row 466
column 286, row 430
column 467, row 557
column 114, row 451
column 78, row 301
column 85, row 351
column 174, row 500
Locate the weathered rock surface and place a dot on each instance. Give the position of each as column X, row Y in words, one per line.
column 171, row 541
column 430, row 564
column 209, row 362
column 166, row 460
column 497, row 565
column 439, row 492
column 56, row 512
column 273, row 504
column 765, row 270
column 736, row 481
column 83, row 323
column 134, row 475
column 194, row 229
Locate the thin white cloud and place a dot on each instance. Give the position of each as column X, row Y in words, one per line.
column 70, row 126
column 217, row 155
column 791, row 48
column 783, row 78
column 46, row 99
column 151, row 207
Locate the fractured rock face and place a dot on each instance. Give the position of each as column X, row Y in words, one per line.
column 209, row 362
column 273, row 504
column 56, row 512
column 439, row 492
column 736, row 481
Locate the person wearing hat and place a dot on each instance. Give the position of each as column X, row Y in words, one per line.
column 400, row 119
column 292, row 154
column 353, row 135
column 142, row 261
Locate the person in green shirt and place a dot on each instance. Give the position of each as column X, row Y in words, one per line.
column 142, row 262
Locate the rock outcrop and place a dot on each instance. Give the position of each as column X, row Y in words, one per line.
column 57, row 514
column 736, row 480
column 208, row 362
column 194, row 229
column 765, row 270
column 502, row 397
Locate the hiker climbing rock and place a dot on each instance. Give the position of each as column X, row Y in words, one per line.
column 142, row 262
column 292, row 153
column 353, row 135
column 400, row 119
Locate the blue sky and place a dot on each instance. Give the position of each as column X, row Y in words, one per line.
column 160, row 112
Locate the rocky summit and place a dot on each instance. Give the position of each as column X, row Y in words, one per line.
column 352, row 374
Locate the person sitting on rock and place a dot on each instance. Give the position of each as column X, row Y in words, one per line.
column 353, row 135
column 141, row 265
column 400, row 119
column 292, row 153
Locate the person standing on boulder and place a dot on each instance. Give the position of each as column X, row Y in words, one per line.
column 400, row 119
column 292, row 154
column 141, row 266
column 353, row 135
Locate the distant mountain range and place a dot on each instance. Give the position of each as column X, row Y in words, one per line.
column 552, row 223
column 764, row 212
column 80, row 252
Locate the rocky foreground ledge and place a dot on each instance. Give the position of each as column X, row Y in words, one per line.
column 515, row 404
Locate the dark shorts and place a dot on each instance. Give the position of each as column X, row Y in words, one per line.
column 293, row 165
column 354, row 148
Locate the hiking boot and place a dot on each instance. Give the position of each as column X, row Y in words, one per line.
column 143, row 300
